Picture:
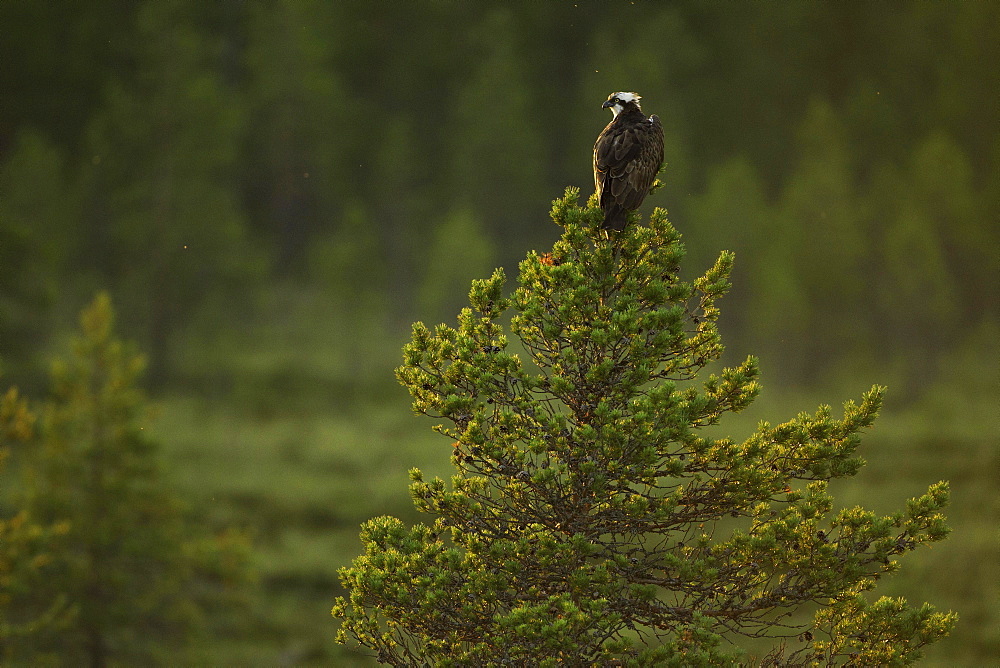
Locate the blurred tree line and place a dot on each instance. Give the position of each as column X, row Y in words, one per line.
column 186, row 155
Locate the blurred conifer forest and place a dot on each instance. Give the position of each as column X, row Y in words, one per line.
column 271, row 192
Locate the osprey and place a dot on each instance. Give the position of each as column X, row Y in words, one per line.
column 627, row 156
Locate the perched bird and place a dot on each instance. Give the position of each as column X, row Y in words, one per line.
column 627, row 156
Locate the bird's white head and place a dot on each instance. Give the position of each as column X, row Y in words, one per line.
column 617, row 102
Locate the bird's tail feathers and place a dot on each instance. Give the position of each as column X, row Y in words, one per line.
column 615, row 218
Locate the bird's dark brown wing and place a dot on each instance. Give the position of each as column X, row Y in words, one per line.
column 626, row 160
column 614, row 147
column 646, row 165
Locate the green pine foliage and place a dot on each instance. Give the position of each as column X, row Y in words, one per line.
column 135, row 573
column 25, row 549
column 593, row 519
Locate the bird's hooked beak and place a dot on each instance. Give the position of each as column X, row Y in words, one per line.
column 614, row 105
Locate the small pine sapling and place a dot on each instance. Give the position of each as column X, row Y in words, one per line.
column 137, row 574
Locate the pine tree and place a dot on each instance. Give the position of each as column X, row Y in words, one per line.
column 592, row 520
column 132, row 567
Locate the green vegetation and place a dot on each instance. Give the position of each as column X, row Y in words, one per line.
column 133, row 579
column 590, row 521
column 26, row 553
column 272, row 193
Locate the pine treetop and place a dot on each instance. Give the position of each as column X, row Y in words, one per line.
column 591, row 519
